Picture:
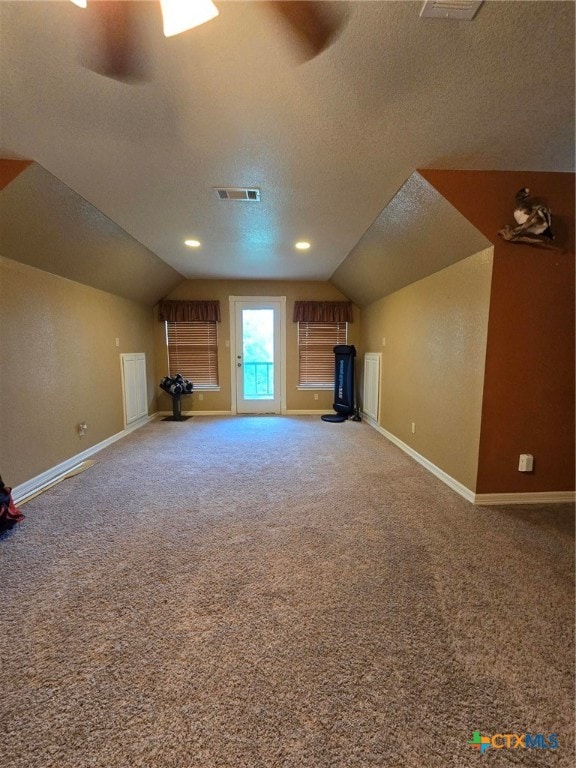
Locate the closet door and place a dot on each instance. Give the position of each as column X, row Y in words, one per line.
column 134, row 386
column 371, row 404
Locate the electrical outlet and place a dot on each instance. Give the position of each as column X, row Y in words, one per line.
column 316, row 396
column 526, row 463
column 117, row 341
column 383, row 341
column 82, row 427
column 200, row 396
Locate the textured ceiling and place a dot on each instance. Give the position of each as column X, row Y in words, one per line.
column 45, row 224
column 329, row 141
column 394, row 252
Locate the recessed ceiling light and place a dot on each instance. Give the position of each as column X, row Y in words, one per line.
column 192, row 243
column 302, row 245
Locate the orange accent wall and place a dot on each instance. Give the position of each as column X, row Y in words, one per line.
column 9, row 169
column 529, row 395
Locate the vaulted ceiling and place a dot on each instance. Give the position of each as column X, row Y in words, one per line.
column 329, row 142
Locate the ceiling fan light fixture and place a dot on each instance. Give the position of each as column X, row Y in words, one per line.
column 180, row 15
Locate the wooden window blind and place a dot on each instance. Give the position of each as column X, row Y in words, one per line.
column 316, row 342
column 193, row 352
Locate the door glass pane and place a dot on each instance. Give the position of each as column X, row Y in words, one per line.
column 258, row 353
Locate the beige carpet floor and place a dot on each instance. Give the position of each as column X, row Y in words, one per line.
column 276, row 592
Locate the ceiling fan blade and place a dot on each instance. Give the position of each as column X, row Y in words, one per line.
column 312, row 23
column 115, row 49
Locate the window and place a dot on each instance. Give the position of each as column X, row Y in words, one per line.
column 316, row 342
column 193, row 352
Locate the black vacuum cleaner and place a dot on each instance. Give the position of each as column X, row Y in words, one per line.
column 343, row 385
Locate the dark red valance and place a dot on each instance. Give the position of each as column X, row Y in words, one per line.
column 188, row 311
column 323, row 312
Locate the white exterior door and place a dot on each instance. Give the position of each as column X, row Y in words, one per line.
column 258, row 354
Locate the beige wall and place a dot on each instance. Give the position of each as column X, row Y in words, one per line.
column 529, row 380
column 433, row 362
column 59, row 365
column 222, row 290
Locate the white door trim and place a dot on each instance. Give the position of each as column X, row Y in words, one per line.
column 233, row 301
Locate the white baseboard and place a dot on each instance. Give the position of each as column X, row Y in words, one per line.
column 198, row 413
column 480, row 499
column 22, row 492
column 436, row 471
column 232, row 413
column 538, row 497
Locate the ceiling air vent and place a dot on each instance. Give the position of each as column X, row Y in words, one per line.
column 465, row 10
column 238, row 193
